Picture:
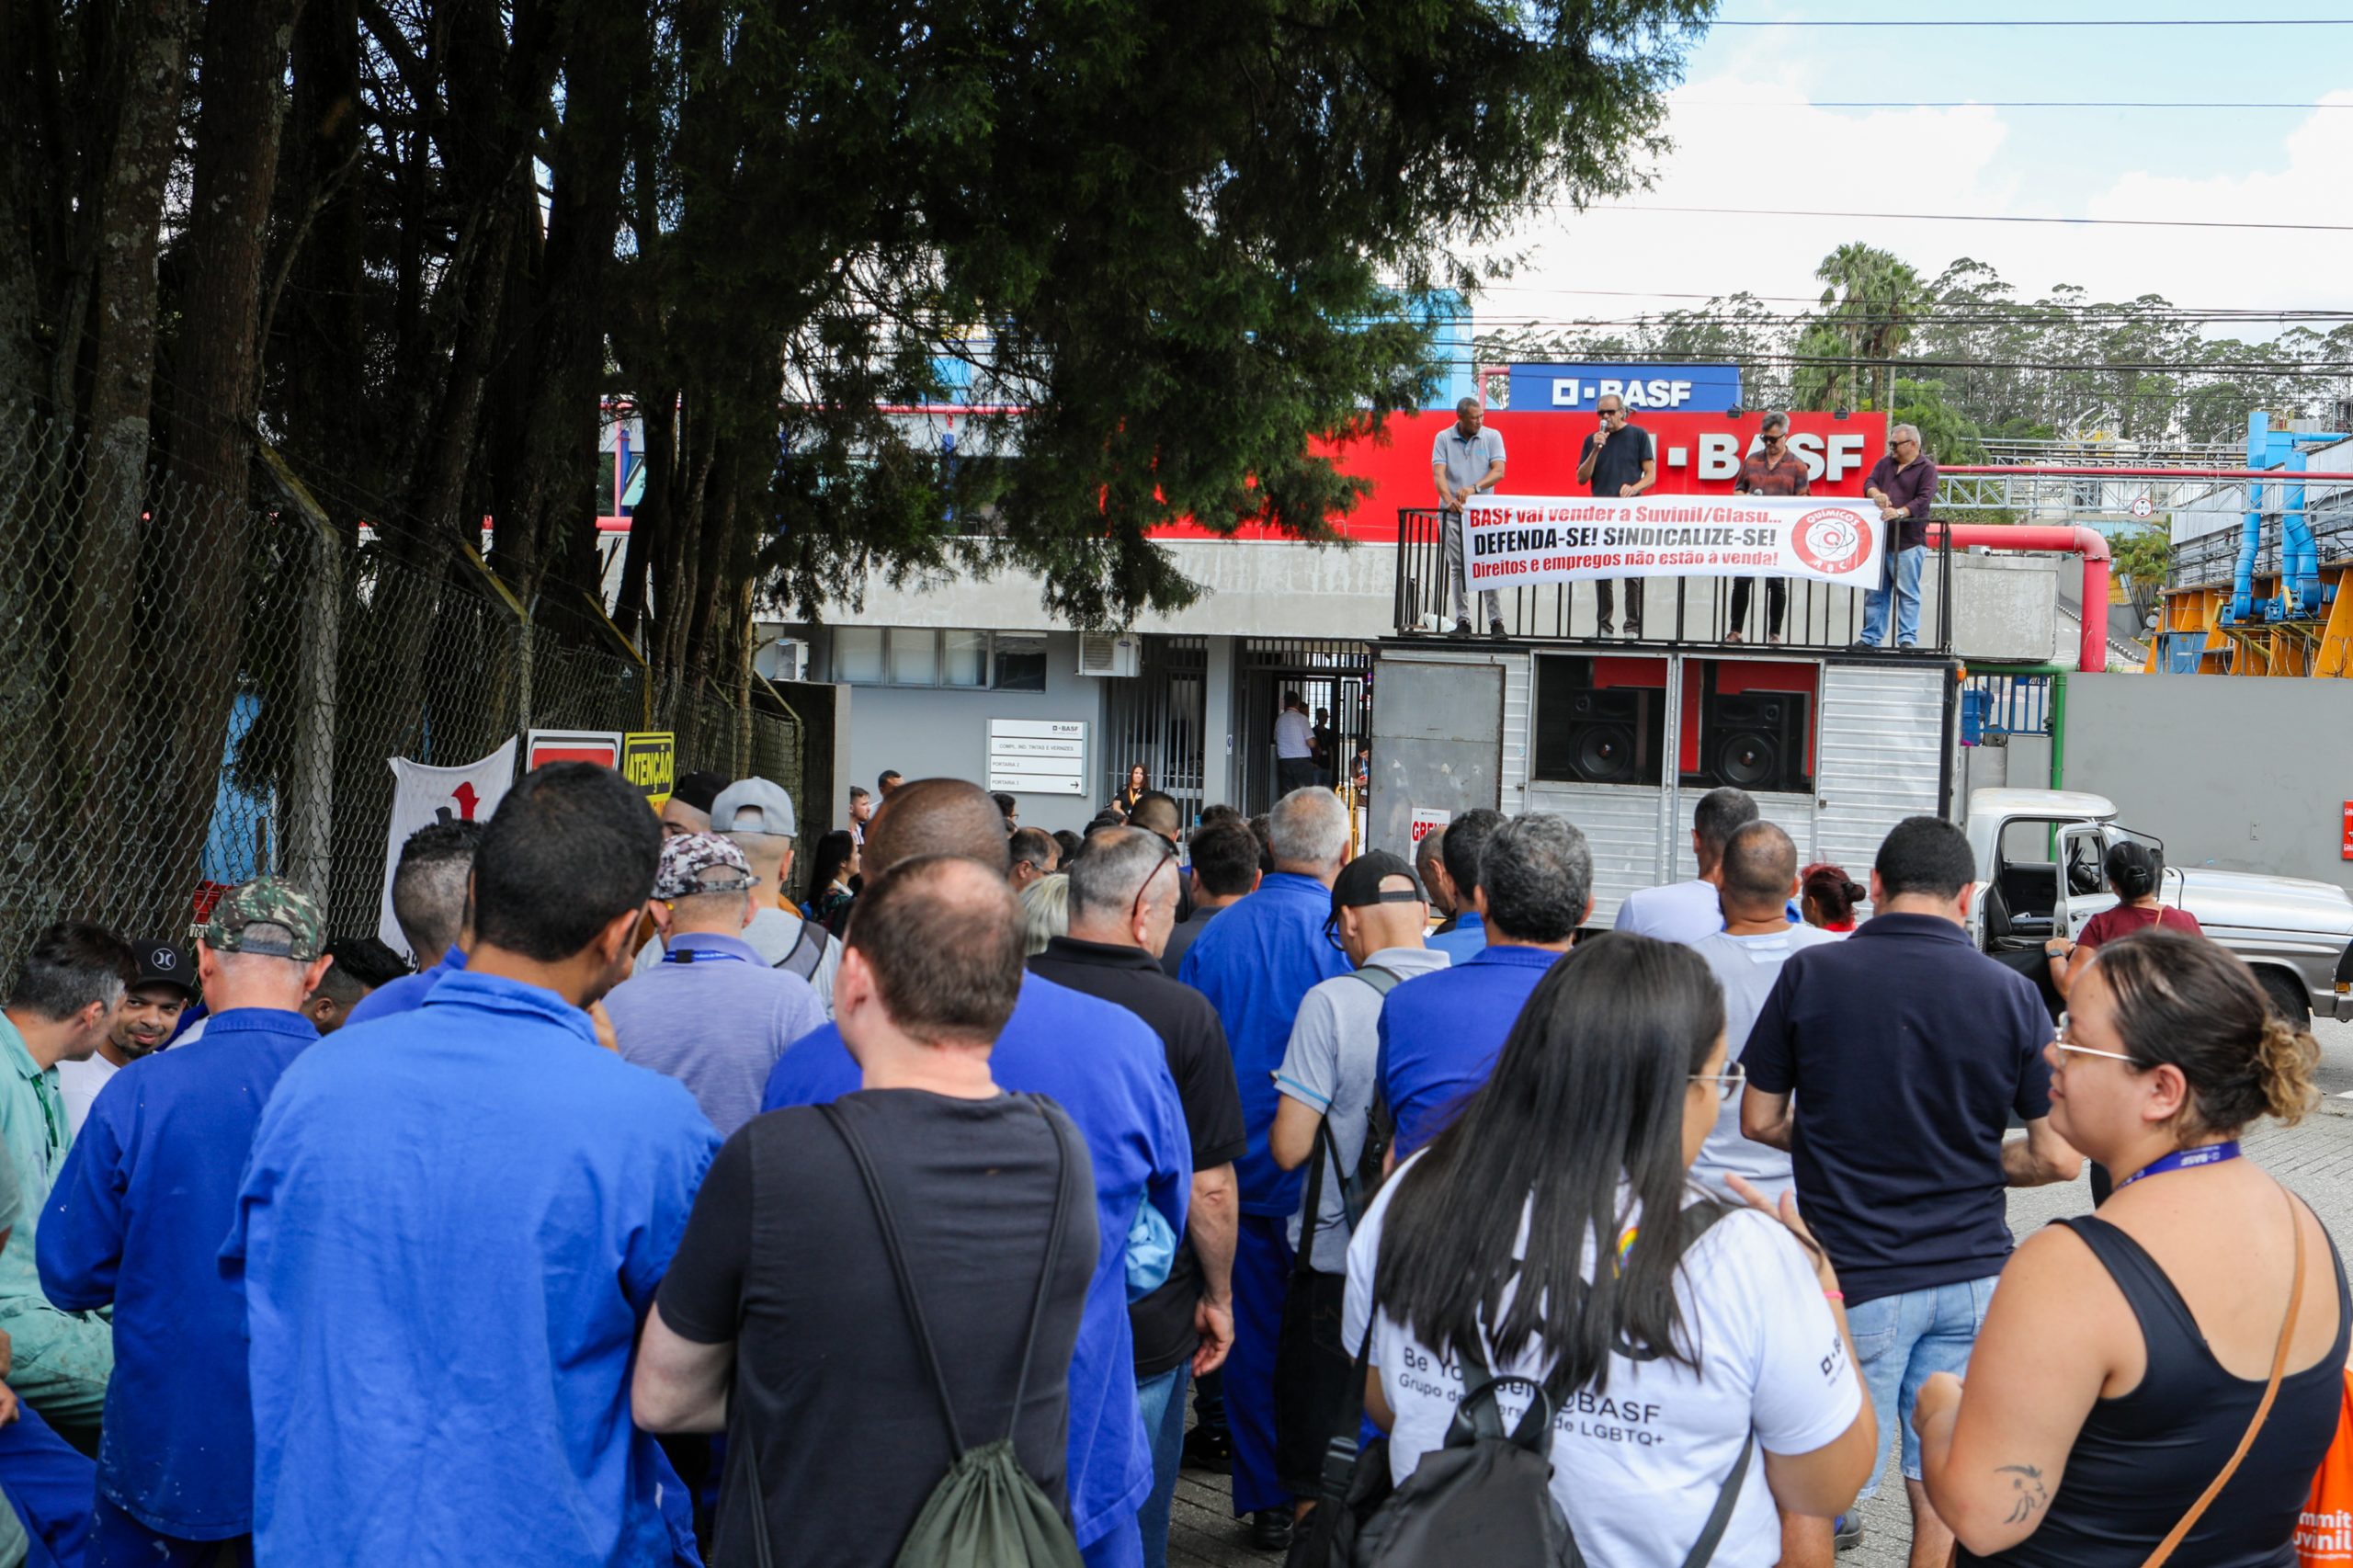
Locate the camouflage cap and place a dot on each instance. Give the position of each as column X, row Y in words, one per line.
column 685, row 859
column 266, row 900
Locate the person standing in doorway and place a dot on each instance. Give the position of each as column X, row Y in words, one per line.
column 1619, row 461
column 1466, row 460
column 1904, row 486
column 1771, row 470
column 1294, row 745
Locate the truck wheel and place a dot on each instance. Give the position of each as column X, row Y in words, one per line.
column 2287, row 994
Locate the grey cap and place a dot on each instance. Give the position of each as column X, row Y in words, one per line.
column 753, row 805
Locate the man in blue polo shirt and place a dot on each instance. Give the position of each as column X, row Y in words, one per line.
column 1256, row 962
column 1908, row 1051
column 1106, row 1070
column 1441, row 1033
column 1466, row 840
column 429, row 891
column 136, row 1221
column 712, row 1014
column 452, row 1222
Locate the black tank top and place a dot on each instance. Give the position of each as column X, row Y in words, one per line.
column 2142, row 1459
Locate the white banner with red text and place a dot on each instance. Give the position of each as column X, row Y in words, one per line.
column 1511, row 541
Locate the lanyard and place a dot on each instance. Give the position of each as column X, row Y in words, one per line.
column 2184, row 1159
column 701, row 954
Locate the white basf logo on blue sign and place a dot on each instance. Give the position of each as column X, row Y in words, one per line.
column 1700, row 388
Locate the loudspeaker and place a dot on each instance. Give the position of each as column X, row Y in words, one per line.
column 1611, row 736
column 1755, row 741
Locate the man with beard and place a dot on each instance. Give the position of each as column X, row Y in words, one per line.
column 151, row 1010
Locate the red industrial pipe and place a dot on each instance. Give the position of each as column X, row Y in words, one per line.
column 2089, row 544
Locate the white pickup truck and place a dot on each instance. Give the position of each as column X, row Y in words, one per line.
column 2039, row 859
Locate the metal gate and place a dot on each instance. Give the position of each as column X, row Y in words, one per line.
column 1331, row 676
column 1157, row 718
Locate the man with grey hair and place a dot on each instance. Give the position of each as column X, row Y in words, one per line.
column 1441, row 1033
column 1256, row 962
column 1771, row 470
column 712, row 1014
column 756, row 815
column 1685, row 912
column 135, row 1225
column 1904, row 486
column 1122, row 907
column 1465, row 461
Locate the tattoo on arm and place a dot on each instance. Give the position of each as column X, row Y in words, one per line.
column 2028, row 1496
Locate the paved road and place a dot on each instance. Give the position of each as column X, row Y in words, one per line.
column 2316, row 1159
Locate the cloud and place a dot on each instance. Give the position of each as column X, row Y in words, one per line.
column 1974, row 159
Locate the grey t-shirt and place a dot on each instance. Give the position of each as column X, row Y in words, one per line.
column 1467, row 461
column 1747, row 968
column 716, row 1023
column 1330, row 1065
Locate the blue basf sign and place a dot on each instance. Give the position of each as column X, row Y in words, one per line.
column 1700, row 389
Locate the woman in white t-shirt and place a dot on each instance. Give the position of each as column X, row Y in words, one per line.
column 1664, row 1360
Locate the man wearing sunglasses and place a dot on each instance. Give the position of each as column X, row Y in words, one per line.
column 1904, row 486
column 1620, row 462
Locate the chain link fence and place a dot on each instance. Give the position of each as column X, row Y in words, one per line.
column 197, row 687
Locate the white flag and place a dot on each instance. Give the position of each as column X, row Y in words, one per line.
column 424, row 795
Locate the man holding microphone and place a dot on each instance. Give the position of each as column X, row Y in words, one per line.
column 1617, row 461
column 1466, row 460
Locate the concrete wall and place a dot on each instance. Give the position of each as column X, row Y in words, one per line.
column 2239, row 773
column 926, row 731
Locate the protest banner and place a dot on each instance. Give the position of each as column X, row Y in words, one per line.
column 1513, row 540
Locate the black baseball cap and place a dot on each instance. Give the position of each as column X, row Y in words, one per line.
column 161, row 963
column 1360, row 880
column 698, row 789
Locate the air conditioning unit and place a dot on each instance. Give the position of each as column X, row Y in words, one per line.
column 1105, row 654
column 786, row 658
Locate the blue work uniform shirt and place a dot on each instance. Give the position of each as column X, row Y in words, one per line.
column 451, row 1226
column 1256, row 962
column 1440, row 1035
column 1469, row 935
column 1106, row 1070
column 406, row 993
column 135, row 1223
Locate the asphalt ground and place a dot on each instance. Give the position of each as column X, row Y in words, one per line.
column 2315, row 1158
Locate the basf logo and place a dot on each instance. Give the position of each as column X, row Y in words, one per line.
column 1700, row 388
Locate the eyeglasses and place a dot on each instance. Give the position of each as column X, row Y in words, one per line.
column 1136, row 910
column 2061, row 1043
column 1728, row 1083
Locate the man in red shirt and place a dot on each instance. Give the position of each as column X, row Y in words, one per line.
column 1771, row 470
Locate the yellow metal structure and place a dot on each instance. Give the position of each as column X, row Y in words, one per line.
column 2268, row 648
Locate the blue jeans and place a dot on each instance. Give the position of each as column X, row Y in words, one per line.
column 1907, row 602
column 1162, row 1400
column 1902, row 1341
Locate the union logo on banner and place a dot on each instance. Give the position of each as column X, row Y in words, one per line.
column 1830, row 541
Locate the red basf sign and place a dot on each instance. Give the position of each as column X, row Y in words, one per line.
column 1697, row 454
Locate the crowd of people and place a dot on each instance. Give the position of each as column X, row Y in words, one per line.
column 657, row 1218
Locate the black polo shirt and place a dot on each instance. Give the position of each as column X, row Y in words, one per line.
column 1198, row 1059
column 1621, row 460
column 1907, row 1051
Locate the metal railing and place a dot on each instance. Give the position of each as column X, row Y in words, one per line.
column 1677, row 611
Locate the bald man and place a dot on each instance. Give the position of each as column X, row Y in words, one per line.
column 1119, row 1093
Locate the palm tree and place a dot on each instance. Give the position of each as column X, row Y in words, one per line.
column 1874, row 299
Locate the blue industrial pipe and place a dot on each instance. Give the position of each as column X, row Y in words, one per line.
column 2298, row 551
column 2258, row 430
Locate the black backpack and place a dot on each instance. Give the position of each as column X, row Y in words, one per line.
column 1379, row 1126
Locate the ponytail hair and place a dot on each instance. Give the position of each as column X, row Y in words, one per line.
column 2133, row 869
column 2181, row 1000
column 1832, row 892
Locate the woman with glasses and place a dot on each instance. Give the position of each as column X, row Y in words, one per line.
column 2126, row 1359
column 1553, row 1232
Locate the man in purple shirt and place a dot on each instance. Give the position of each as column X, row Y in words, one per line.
column 1904, row 486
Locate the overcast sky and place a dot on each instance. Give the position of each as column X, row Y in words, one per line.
column 1785, row 151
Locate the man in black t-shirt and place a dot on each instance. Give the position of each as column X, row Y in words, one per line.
column 1122, row 907
column 1619, row 461
column 782, row 1319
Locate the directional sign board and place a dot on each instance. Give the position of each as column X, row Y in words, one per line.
column 1038, row 757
